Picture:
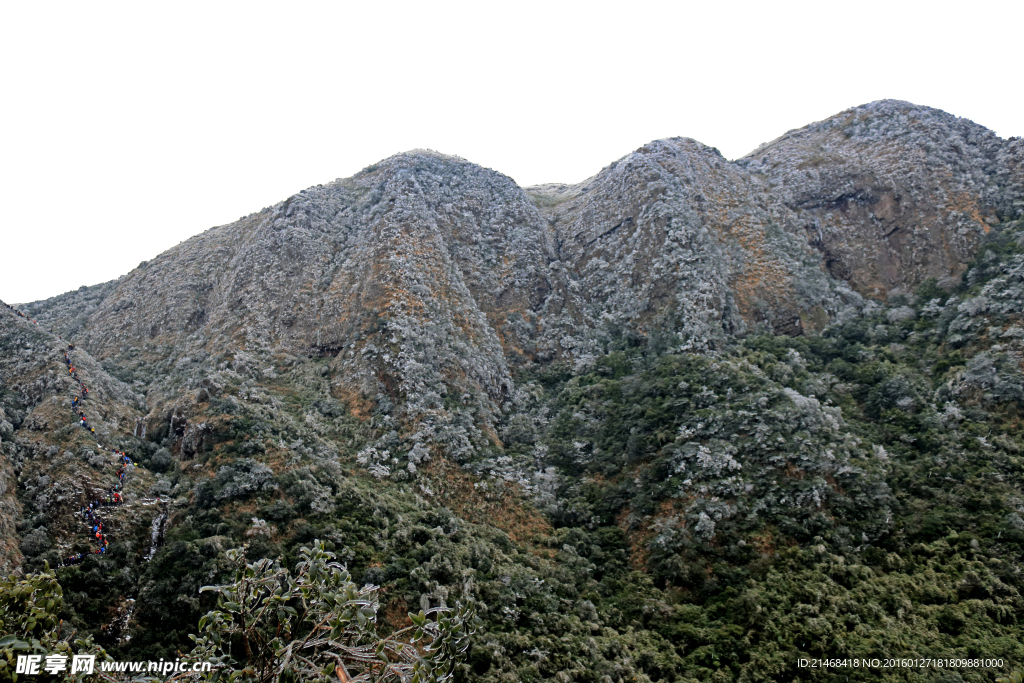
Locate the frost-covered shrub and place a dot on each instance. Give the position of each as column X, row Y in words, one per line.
column 260, row 527
column 375, row 461
column 35, row 542
column 901, row 314
column 994, row 376
column 244, row 477
column 160, row 461
column 162, row 487
column 897, row 391
column 704, row 446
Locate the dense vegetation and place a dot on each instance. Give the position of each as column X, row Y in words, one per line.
column 652, row 514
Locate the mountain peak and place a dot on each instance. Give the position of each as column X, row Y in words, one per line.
column 427, row 275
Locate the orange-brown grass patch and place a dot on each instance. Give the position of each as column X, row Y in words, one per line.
column 639, row 553
column 967, row 204
column 275, row 458
column 639, row 537
column 492, row 434
column 242, row 509
column 354, row 401
column 764, row 542
column 835, row 485
column 763, row 276
column 794, row 472
column 502, row 508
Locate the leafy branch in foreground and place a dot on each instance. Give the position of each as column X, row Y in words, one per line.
column 318, row 625
column 29, row 622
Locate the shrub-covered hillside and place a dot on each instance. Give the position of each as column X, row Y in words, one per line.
column 690, row 419
column 651, row 515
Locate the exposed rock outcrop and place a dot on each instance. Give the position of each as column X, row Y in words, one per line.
column 425, row 276
column 891, row 193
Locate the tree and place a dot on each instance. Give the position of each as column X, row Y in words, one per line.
column 318, row 625
column 29, row 624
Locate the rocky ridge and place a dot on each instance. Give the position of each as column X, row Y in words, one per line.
column 425, row 278
column 598, row 409
column 892, row 193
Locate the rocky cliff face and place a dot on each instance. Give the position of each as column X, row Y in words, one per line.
column 424, row 277
column 891, row 193
column 676, row 239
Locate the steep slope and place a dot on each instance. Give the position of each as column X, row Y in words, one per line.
column 675, row 239
column 720, row 499
column 891, row 193
column 406, row 274
column 56, row 462
column 425, row 278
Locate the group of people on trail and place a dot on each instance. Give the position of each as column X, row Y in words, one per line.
column 76, row 401
column 97, row 525
column 90, row 512
column 77, row 558
column 19, row 313
column 91, row 515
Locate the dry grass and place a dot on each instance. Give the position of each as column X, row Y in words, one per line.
column 502, row 508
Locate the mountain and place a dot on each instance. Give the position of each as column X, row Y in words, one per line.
column 617, row 411
column 424, row 277
column 890, row 193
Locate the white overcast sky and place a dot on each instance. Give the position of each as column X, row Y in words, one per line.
column 129, row 127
